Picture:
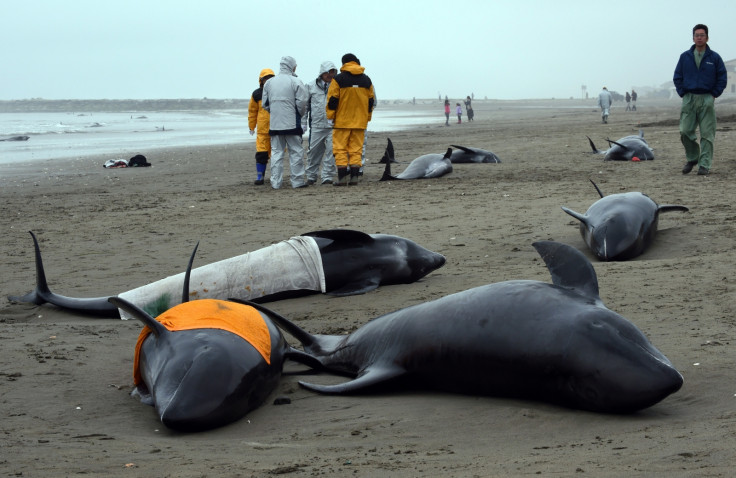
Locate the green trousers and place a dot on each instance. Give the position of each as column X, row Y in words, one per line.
column 698, row 111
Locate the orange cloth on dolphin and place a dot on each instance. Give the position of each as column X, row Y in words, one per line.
column 240, row 319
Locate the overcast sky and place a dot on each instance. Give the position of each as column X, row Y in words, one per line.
column 118, row 49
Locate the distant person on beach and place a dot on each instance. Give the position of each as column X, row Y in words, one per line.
column 459, row 111
column 605, row 100
column 633, row 99
column 700, row 77
column 447, row 112
column 350, row 101
column 628, row 101
column 258, row 120
column 469, row 108
column 319, row 150
column 285, row 97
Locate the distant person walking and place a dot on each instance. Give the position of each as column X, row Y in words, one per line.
column 447, row 112
column 285, row 97
column 605, row 100
column 459, row 111
column 350, row 100
column 633, row 99
column 469, row 108
column 320, row 132
column 700, row 77
column 258, row 120
column 628, row 101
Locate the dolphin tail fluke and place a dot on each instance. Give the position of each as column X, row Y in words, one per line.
column 672, row 207
column 98, row 307
column 371, row 378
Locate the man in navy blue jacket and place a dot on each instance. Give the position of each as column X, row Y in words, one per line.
column 700, row 78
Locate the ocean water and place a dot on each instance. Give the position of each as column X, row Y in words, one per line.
column 65, row 135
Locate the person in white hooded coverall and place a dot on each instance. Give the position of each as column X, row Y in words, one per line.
column 605, row 100
column 285, row 98
column 320, row 133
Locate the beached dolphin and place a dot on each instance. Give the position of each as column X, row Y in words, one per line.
column 206, row 363
column 464, row 154
column 423, row 167
column 528, row 339
column 628, row 148
column 620, row 226
column 338, row 262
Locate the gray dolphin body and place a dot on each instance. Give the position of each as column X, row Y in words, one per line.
column 463, row 154
column 621, row 226
column 424, row 167
column 352, row 263
column 626, row 149
column 554, row 342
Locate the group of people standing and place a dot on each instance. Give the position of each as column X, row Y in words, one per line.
column 631, row 98
column 334, row 107
column 459, row 110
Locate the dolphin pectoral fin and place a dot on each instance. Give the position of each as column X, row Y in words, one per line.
column 569, row 268
column 671, row 207
column 156, row 327
column 358, row 287
column 595, row 150
column 600, row 193
column 371, row 377
column 142, row 392
column 576, row 215
column 303, row 358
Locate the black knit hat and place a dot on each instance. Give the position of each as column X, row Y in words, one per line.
column 348, row 57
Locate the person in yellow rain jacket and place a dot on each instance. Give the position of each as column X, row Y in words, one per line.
column 350, row 102
column 258, row 119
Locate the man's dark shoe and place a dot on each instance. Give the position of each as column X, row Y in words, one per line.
column 688, row 167
column 312, row 182
column 258, row 182
column 327, row 181
column 703, row 172
column 302, row 186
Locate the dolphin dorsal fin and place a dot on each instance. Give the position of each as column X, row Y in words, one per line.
column 569, row 268
column 140, row 314
column 448, row 154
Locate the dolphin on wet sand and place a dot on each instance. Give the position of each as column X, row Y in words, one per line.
column 628, row 148
column 423, row 167
column 528, row 339
column 337, row 262
column 465, row 154
column 621, row 226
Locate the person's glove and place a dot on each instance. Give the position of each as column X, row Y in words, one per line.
column 330, row 123
column 252, row 132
